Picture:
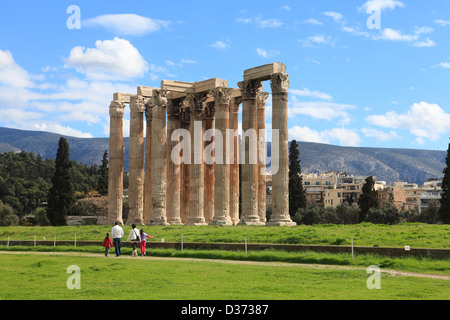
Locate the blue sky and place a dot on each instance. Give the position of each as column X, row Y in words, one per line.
column 385, row 83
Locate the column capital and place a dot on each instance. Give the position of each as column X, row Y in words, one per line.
column 197, row 102
column 210, row 110
column 250, row 88
column 116, row 109
column 174, row 107
column 221, row 95
column 149, row 110
column 137, row 104
column 280, row 83
column 235, row 105
column 159, row 98
column 262, row 98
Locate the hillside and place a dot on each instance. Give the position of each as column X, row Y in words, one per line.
column 386, row 164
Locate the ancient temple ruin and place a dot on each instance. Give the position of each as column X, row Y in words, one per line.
column 172, row 180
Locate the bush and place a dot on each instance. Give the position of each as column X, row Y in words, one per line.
column 315, row 215
column 388, row 214
column 347, row 213
column 40, row 216
column 7, row 217
column 430, row 214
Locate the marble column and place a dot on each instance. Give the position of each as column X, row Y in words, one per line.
column 159, row 159
column 115, row 191
column 222, row 99
column 148, row 206
column 185, row 166
column 196, row 168
column 280, row 178
column 250, row 173
column 208, row 124
column 136, row 162
column 234, row 167
column 262, row 98
column 174, row 161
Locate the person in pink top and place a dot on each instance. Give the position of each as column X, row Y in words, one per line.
column 144, row 237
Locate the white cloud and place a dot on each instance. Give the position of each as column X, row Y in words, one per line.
column 267, row 54
column 322, row 110
column 427, row 43
column 285, row 8
column 308, row 93
column 261, row 23
column 115, row 59
column 444, row 65
column 345, row 137
column 381, row 136
column 335, row 15
column 313, row 22
column 424, row 120
column 381, row 5
column 316, row 40
column 443, row 23
column 395, row 35
column 57, row 128
column 220, row 45
column 12, row 74
column 126, row 24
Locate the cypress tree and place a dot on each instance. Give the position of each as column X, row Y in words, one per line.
column 104, row 176
column 297, row 196
column 61, row 194
column 368, row 199
column 444, row 211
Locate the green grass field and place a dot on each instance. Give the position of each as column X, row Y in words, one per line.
column 41, row 274
column 44, row 277
column 415, row 235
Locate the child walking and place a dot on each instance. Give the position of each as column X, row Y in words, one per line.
column 107, row 243
column 144, row 237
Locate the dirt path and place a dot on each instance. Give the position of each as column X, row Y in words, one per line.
column 256, row 263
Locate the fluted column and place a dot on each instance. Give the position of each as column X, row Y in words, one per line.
column 196, row 168
column 208, row 124
column 250, row 173
column 262, row 97
column 159, row 159
column 148, row 206
column 280, row 178
column 115, row 190
column 173, row 163
column 234, row 167
column 222, row 164
column 136, row 163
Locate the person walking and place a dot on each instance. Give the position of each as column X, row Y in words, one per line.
column 134, row 234
column 144, row 237
column 107, row 243
column 117, row 234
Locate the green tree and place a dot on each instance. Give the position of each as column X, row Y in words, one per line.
column 297, row 196
column 444, row 210
column 368, row 199
column 61, row 194
column 104, row 176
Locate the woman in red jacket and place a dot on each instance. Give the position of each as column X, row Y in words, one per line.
column 107, row 243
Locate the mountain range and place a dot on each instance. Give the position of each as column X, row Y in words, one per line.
column 411, row 165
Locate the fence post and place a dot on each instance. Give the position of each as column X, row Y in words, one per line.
column 182, row 243
column 35, row 240
column 245, row 246
column 8, row 243
column 75, row 240
column 353, row 257
column 54, row 241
